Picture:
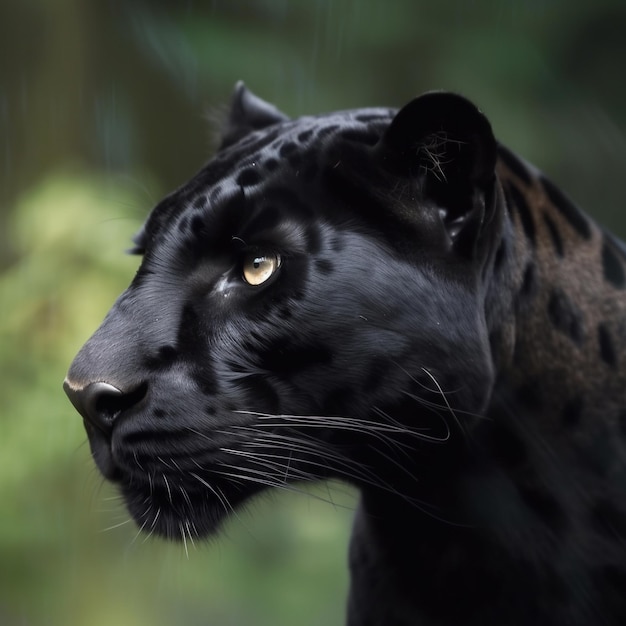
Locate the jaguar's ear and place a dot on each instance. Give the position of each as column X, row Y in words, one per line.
column 247, row 113
column 444, row 142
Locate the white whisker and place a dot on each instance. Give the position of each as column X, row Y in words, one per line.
column 184, row 538
column 108, row 528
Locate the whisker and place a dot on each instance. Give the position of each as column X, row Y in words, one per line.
column 184, row 538
column 349, row 471
column 193, row 543
column 116, row 498
column 375, row 482
column 161, row 460
column 270, row 482
column 357, row 473
column 112, row 527
column 222, row 500
column 324, row 421
column 221, row 497
column 439, row 391
column 273, row 458
column 271, row 465
column 155, row 519
column 185, row 495
column 138, row 533
column 445, row 399
column 377, row 430
column 169, row 491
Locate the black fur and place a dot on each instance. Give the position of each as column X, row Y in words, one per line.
column 395, row 347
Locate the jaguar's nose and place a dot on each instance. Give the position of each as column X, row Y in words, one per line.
column 101, row 403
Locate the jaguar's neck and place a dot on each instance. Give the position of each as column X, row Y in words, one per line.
column 488, row 546
column 557, row 301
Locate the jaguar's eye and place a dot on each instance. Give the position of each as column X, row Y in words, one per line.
column 258, row 267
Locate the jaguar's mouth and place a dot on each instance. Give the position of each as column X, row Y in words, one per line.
column 175, row 501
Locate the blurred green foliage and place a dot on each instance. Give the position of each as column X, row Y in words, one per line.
column 102, row 110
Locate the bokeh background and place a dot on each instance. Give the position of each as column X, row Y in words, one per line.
column 104, row 107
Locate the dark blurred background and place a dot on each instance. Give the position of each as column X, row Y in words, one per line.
column 105, row 106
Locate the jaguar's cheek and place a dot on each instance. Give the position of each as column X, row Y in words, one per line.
column 260, row 392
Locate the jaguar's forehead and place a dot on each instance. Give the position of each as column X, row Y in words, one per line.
column 297, row 144
column 301, row 145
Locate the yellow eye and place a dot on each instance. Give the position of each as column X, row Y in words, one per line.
column 259, row 266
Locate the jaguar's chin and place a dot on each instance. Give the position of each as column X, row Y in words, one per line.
column 172, row 510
